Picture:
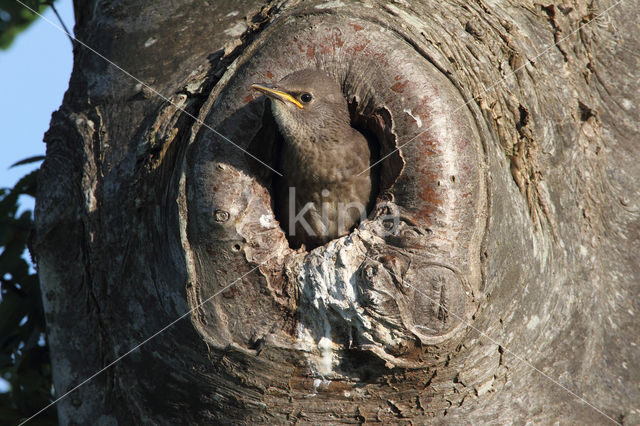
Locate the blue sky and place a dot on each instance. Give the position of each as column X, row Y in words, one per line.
column 34, row 74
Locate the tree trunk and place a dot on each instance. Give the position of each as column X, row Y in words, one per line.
column 494, row 281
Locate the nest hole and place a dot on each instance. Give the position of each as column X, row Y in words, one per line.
column 374, row 122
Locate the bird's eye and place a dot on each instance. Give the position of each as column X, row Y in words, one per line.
column 306, row 97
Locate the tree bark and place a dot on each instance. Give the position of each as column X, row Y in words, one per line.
column 494, row 281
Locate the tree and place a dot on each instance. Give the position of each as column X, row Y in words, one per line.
column 495, row 280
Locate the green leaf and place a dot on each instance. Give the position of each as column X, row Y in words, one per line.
column 27, row 184
column 28, row 160
column 11, row 313
column 15, row 18
column 5, row 361
column 23, row 362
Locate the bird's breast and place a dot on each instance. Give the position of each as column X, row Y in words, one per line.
column 326, row 178
column 325, row 159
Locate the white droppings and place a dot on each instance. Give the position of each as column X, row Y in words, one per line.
column 583, row 251
column 415, row 117
column 627, row 104
column 320, row 382
column 326, row 291
column 236, row 30
column 533, row 322
column 317, row 383
column 233, row 13
column 326, row 361
column 330, row 5
column 150, row 41
column 266, row 220
column 329, row 294
column 485, row 387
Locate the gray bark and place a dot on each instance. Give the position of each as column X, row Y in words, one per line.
column 507, row 291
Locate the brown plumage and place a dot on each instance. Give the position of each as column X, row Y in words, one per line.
column 321, row 158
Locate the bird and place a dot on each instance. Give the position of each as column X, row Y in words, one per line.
column 327, row 185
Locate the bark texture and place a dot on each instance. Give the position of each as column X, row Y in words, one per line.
column 496, row 279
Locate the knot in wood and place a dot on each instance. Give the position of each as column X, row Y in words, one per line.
column 221, row 216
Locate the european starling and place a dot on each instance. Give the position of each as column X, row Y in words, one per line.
column 322, row 195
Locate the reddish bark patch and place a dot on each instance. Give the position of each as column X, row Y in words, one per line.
column 359, row 47
column 399, row 86
column 311, row 51
column 431, row 197
column 338, row 40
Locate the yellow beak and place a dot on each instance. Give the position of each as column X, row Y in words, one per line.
column 276, row 94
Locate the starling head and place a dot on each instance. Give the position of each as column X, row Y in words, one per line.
column 305, row 102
